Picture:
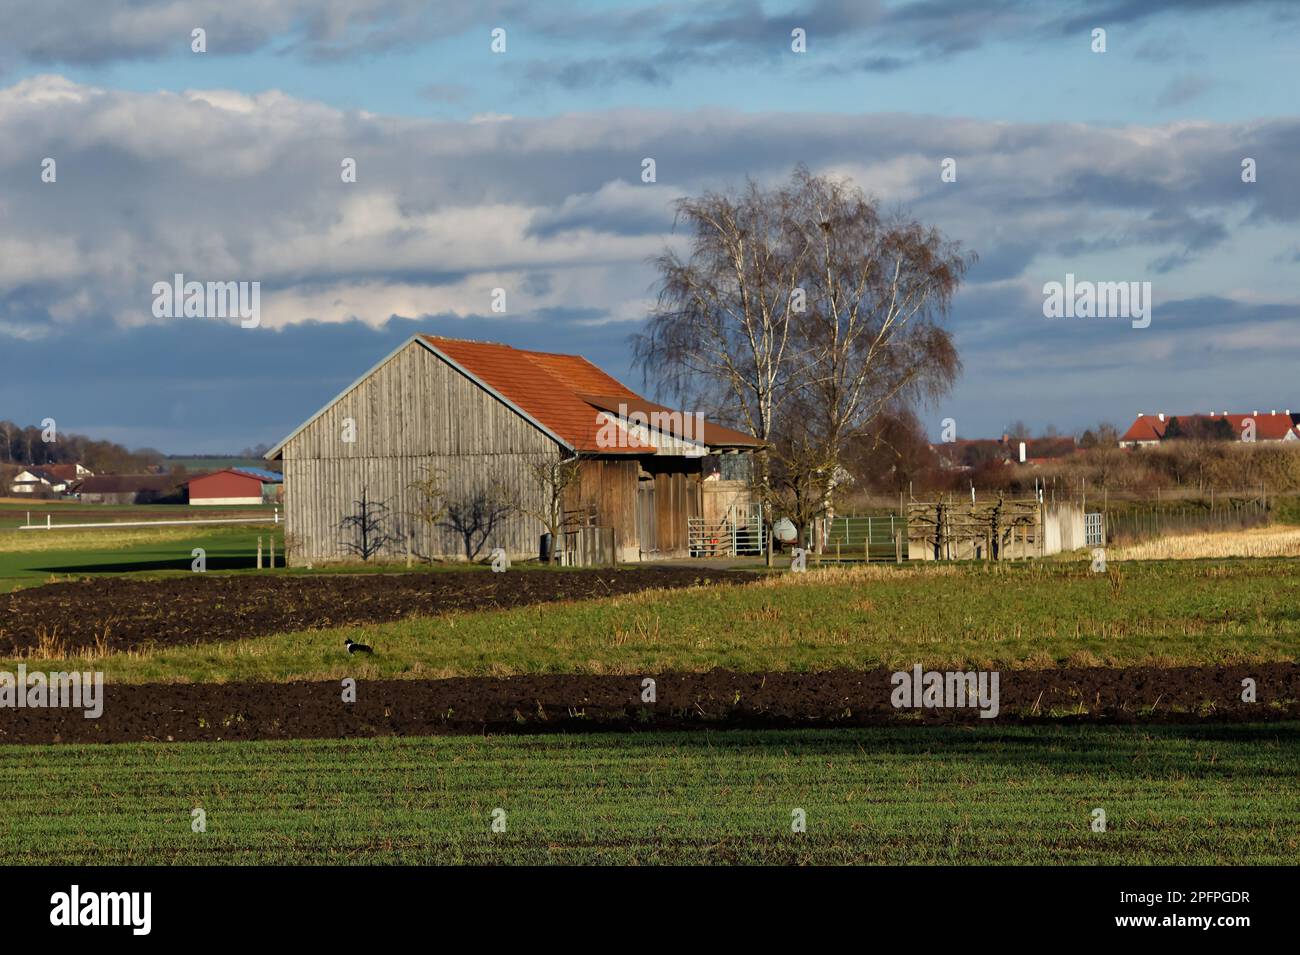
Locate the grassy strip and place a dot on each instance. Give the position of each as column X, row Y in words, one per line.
column 1215, row 795
column 1176, row 613
column 29, row 558
column 32, row 558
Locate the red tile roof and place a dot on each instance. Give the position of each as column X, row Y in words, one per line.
column 1268, row 427
column 532, row 382
column 66, row 472
column 563, row 393
column 1147, row 427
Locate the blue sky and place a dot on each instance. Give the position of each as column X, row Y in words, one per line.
column 520, row 170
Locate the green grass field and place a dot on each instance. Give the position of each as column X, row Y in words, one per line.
column 30, row 558
column 1211, row 795
column 1172, row 613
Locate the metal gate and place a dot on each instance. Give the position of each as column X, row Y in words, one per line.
column 739, row 534
column 1094, row 529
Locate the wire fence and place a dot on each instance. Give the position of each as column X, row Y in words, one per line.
column 1147, row 523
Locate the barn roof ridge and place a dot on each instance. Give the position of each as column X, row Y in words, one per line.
column 550, row 390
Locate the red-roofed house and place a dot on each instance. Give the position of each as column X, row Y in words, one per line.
column 480, row 415
column 1152, row 429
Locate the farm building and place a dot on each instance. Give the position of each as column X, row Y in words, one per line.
column 131, row 489
column 1151, row 429
column 48, row 478
column 481, row 418
column 37, row 480
column 235, row 486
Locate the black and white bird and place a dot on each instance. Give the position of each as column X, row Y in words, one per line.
column 357, row 647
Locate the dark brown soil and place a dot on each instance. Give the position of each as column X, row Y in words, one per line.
column 719, row 699
column 203, row 608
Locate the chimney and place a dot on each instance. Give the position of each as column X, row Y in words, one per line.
column 1211, row 414
column 1161, row 416
column 1139, row 414
column 1254, row 414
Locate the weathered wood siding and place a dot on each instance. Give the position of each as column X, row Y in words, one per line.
column 677, row 499
column 412, row 413
column 609, row 486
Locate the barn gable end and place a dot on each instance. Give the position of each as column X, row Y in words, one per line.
column 413, row 411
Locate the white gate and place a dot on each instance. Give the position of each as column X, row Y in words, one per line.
column 1094, row 529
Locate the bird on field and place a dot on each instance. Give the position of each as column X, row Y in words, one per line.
column 357, row 647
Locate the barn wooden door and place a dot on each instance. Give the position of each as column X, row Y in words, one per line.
column 645, row 517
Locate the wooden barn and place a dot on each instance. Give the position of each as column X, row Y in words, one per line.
column 481, row 417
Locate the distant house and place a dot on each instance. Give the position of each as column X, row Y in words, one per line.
column 51, row 478
column 36, row 480
column 132, row 489
column 1148, row 430
column 235, row 486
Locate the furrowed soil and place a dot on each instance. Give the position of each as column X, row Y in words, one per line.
column 131, row 614
column 719, row 699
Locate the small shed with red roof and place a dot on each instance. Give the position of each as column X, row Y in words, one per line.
column 481, row 417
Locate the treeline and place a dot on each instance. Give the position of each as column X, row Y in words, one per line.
column 27, row 447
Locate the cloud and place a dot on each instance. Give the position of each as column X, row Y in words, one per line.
column 1182, row 90
column 226, row 186
column 61, row 32
column 651, row 42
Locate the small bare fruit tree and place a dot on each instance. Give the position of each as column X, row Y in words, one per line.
column 369, row 526
column 554, row 477
column 429, row 503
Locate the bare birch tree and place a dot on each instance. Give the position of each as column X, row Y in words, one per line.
column 721, row 334
column 800, row 314
column 877, row 289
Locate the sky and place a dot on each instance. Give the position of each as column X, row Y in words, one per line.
column 521, row 169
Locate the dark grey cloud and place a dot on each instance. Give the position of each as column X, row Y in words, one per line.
column 59, row 32
column 195, row 386
column 875, row 35
column 228, row 187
